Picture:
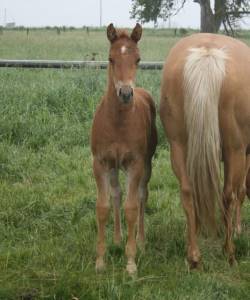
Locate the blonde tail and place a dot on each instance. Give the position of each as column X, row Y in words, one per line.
column 204, row 72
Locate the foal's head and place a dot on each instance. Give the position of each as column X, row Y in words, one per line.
column 124, row 57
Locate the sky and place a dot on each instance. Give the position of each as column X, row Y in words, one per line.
column 86, row 12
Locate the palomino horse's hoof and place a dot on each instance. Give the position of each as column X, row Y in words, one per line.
column 131, row 268
column 100, row 265
column 230, row 256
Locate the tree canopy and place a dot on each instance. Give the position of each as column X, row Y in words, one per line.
column 224, row 12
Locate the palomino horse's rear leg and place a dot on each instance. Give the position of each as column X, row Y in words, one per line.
column 234, row 190
column 135, row 173
column 179, row 167
column 102, row 210
column 248, row 178
column 241, row 199
column 116, row 195
column 143, row 192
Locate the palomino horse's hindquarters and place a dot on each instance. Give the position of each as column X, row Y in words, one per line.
column 204, row 72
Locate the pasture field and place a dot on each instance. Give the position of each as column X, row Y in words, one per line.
column 47, row 190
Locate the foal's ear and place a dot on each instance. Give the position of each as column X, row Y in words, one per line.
column 111, row 33
column 136, row 33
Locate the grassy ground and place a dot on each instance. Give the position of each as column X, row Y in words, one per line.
column 77, row 45
column 47, row 191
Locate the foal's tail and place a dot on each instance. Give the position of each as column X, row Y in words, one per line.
column 204, row 72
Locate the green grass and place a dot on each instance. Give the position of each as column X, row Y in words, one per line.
column 47, row 190
column 76, row 45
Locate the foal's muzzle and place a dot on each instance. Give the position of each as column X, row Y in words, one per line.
column 126, row 94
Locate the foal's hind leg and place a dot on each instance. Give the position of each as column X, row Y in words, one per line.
column 135, row 174
column 241, row 198
column 143, row 193
column 234, row 190
column 116, row 195
column 102, row 210
column 179, row 167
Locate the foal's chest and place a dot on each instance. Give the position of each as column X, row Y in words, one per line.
column 120, row 140
column 117, row 156
column 119, row 148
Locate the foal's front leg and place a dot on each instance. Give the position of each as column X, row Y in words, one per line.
column 143, row 192
column 102, row 210
column 135, row 173
column 116, row 195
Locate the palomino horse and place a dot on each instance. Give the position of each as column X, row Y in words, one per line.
column 205, row 110
column 123, row 137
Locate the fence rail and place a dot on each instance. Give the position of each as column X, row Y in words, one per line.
column 68, row 64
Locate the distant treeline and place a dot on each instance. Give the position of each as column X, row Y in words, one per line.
column 59, row 29
column 62, row 28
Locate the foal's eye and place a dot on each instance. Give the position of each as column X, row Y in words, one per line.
column 111, row 60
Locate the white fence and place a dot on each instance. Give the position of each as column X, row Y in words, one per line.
column 61, row 64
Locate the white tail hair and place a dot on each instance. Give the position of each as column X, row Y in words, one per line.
column 204, row 72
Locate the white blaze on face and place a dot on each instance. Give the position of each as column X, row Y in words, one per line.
column 123, row 49
column 118, row 83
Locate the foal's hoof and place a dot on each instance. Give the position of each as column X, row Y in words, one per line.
column 194, row 264
column 238, row 230
column 131, row 268
column 194, row 260
column 100, row 265
column 232, row 261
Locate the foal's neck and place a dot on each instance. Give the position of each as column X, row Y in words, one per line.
column 112, row 100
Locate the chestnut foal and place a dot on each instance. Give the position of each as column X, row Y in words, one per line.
column 123, row 137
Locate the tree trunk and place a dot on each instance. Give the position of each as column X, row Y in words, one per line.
column 207, row 17
column 220, row 12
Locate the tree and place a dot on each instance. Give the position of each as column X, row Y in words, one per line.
column 225, row 12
